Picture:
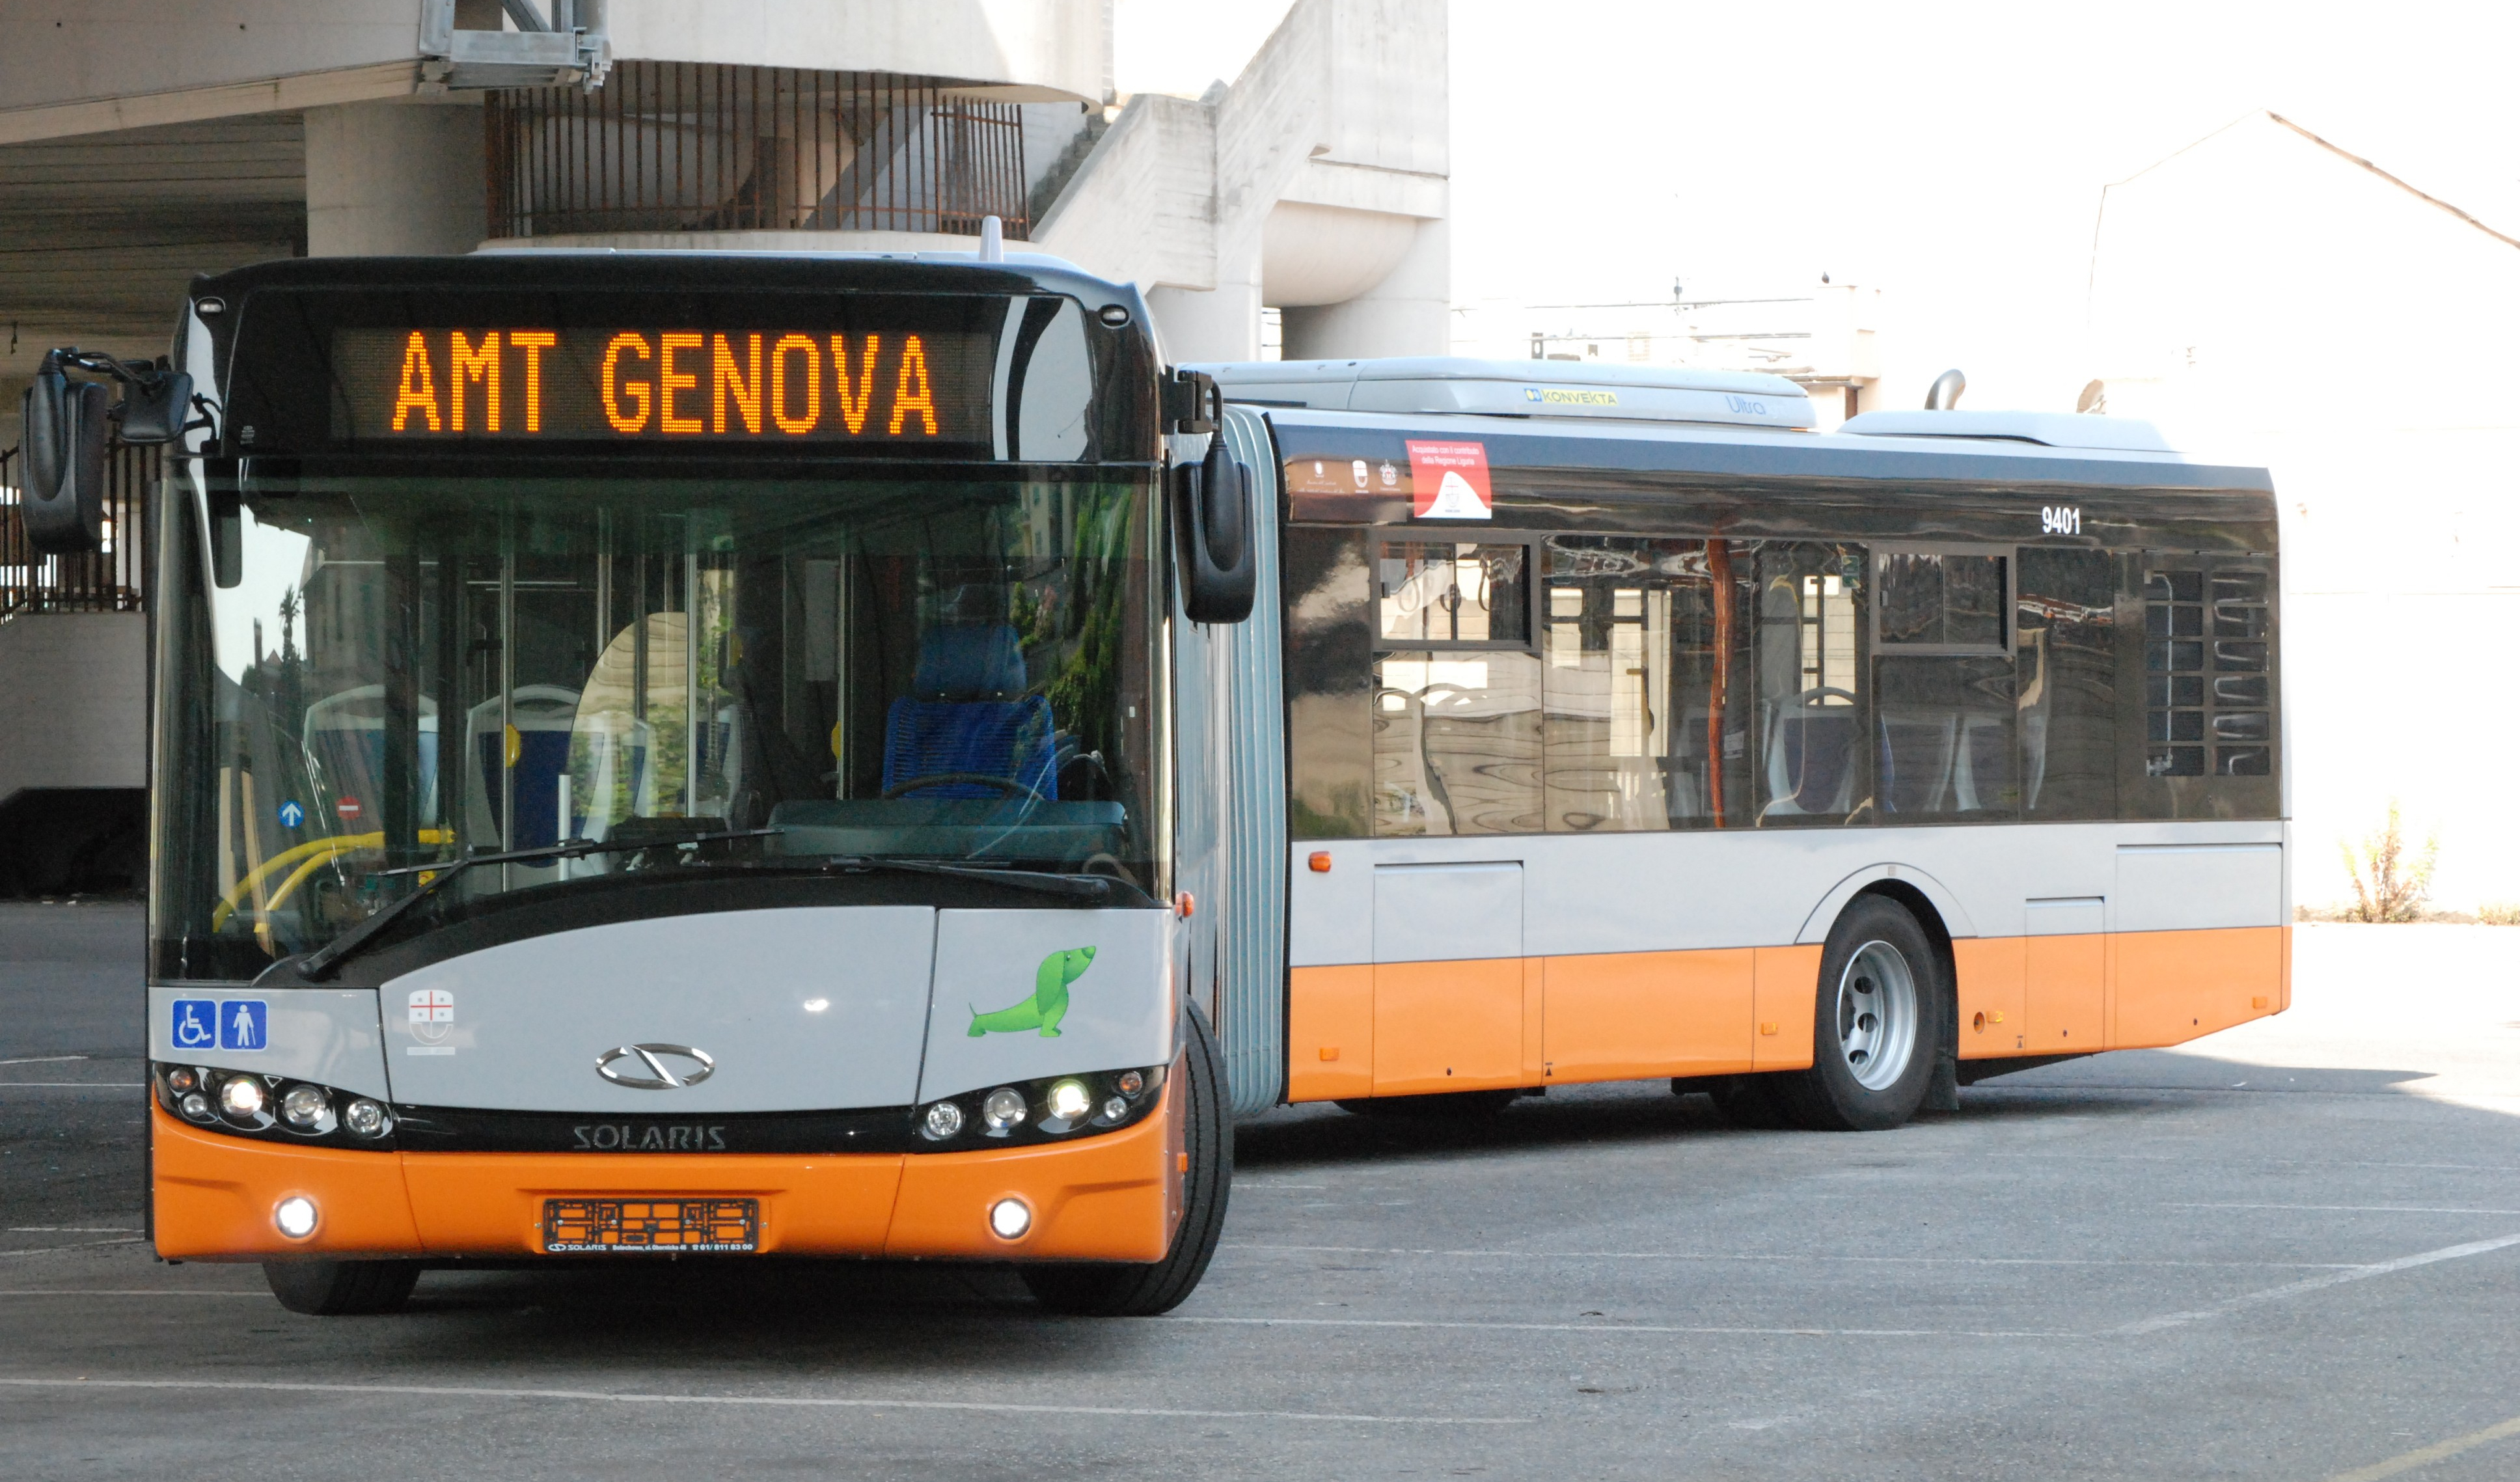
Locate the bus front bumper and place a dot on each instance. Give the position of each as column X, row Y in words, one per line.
column 1115, row 1197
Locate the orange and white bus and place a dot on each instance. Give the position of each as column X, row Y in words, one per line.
column 848, row 756
column 1633, row 729
column 669, row 754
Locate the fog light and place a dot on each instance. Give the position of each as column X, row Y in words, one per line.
column 1069, row 1100
column 1131, row 1083
column 241, row 1098
column 306, row 1109
column 1010, row 1219
column 366, row 1119
column 180, row 1081
column 943, row 1121
column 1114, row 1109
column 1002, row 1111
column 197, row 1107
column 295, row 1217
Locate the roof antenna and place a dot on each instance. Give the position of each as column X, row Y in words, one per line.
column 993, row 243
column 1946, row 393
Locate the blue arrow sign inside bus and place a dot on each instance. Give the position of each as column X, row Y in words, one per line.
column 291, row 814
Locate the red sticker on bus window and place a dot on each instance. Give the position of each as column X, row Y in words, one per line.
column 1448, row 481
column 348, row 809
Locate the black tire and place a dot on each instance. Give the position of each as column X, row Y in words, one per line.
column 1874, row 942
column 1750, row 1103
column 1446, row 1106
column 1130, row 1290
column 341, row 1288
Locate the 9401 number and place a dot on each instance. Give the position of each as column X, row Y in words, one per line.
column 2060, row 519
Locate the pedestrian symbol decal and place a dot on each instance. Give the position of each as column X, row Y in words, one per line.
column 196, row 1024
column 291, row 814
column 243, row 1024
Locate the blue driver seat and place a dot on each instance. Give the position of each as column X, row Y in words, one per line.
column 967, row 711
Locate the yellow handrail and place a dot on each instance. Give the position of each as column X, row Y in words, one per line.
column 314, row 854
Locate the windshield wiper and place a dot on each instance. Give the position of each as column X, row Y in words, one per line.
column 319, row 963
column 1098, row 886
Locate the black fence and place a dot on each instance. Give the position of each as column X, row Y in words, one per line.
column 700, row 146
column 115, row 579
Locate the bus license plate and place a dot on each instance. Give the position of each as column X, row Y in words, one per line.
column 577, row 1227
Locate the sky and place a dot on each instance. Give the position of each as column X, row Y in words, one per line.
column 1951, row 157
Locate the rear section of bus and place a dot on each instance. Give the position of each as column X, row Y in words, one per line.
column 663, row 754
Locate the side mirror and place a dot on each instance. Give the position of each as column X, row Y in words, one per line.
column 154, row 411
column 1220, row 572
column 64, row 499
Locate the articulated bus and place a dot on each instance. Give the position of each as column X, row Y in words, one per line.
column 852, row 756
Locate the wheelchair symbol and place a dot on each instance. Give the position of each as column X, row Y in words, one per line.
column 196, row 1024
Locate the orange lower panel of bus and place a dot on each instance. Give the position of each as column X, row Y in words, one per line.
column 1113, row 1197
column 1411, row 1028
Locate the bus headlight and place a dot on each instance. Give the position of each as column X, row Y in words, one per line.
column 307, row 1109
column 367, row 1118
column 1002, row 1109
column 1029, row 1112
column 272, row 1108
column 1067, row 1103
column 240, row 1098
column 942, row 1123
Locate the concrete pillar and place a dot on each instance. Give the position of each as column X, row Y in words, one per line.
column 400, row 176
column 1408, row 313
column 1222, row 323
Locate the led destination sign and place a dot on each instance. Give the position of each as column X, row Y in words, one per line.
column 663, row 384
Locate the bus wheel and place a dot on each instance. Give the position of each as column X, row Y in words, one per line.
column 340, row 1289
column 1143, row 1291
column 1878, row 1017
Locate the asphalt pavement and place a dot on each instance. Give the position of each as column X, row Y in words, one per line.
column 2289, row 1251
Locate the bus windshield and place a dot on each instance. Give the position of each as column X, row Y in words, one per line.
column 401, row 671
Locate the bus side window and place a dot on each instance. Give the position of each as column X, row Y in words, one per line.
column 1636, row 721
column 2209, row 701
column 1813, row 647
column 1943, row 693
column 1329, row 684
column 2065, row 672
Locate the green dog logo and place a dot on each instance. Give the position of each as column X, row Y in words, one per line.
column 1049, row 1002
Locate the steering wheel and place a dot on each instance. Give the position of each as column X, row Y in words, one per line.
column 1006, row 785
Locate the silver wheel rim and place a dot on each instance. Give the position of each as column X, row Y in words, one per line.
column 1877, row 1016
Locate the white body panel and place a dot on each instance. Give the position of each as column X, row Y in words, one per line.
column 530, row 1017
column 1676, row 891
column 328, row 1035
column 1120, row 1010
column 2198, row 884
column 1447, row 912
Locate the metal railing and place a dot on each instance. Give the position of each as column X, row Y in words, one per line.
column 701, row 147
column 112, row 580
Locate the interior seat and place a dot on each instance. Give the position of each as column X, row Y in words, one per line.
column 967, row 713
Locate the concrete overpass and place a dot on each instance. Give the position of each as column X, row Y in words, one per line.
column 142, row 143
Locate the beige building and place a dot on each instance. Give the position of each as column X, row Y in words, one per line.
column 2266, row 296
